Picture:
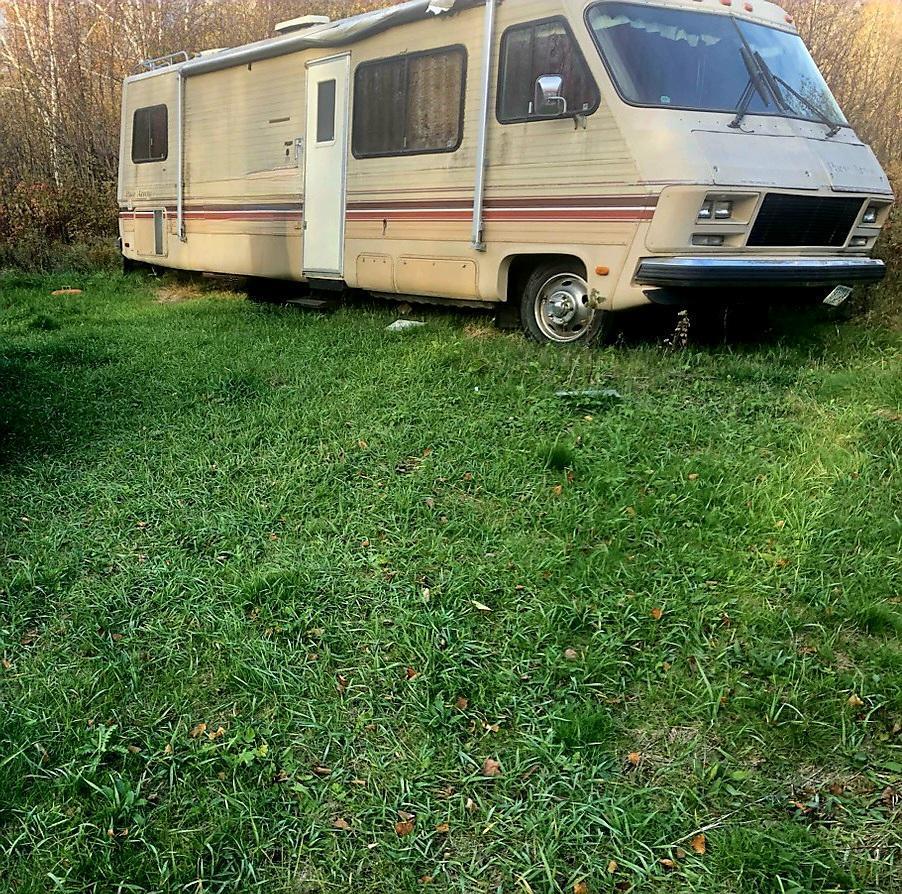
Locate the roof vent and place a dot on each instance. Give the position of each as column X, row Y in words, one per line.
column 301, row 23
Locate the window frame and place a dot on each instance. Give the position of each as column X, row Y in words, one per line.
column 402, row 153
column 156, row 160
column 502, row 58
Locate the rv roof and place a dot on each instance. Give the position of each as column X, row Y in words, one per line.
column 331, row 34
column 300, row 23
column 344, row 31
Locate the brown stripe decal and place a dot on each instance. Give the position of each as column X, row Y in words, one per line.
column 588, row 208
column 293, row 212
column 572, row 208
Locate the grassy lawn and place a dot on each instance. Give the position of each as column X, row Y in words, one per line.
column 292, row 604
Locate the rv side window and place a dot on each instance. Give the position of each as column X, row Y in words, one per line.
column 325, row 112
column 410, row 105
column 543, row 53
column 150, row 134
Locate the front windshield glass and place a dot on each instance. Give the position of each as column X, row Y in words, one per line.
column 693, row 60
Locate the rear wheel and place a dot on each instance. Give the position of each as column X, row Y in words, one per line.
column 555, row 306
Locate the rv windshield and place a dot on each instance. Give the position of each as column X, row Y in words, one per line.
column 672, row 58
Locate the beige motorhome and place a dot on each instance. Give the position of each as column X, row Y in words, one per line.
column 561, row 157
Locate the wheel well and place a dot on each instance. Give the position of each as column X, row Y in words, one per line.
column 518, row 269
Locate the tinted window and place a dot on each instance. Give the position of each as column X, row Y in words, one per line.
column 325, row 112
column 542, row 48
column 150, row 134
column 410, row 104
column 693, row 60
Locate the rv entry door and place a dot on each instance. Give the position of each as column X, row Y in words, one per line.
column 325, row 166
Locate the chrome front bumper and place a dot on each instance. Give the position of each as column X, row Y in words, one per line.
column 743, row 271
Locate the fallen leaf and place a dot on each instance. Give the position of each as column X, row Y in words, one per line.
column 362, row 444
column 342, row 684
column 217, row 734
column 322, row 771
column 411, row 674
column 699, row 844
column 694, row 476
column 855, row 701
column 471, row 806
column 443, row 828
column 558, row 489
column 571, row 654
column 404, row 828
column 634, row 758
column 657, row 613
column 480, row 606
column 613, row 866
column 7, row 664
column 462, row 703
column 580, row 888
column 426, row 879
column 59, row 292
column 198, row 731
column 669, row 865
column 491, row 767
column 134, row 749
column 341, row 824
column 680, row 854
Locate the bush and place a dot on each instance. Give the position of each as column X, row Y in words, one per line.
column 45, row 228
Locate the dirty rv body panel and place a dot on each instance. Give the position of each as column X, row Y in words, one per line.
column 593, row 166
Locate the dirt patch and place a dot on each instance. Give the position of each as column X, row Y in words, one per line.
column 480, row 331
column 176, row 293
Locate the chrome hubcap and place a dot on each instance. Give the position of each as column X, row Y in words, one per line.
column 562, row 308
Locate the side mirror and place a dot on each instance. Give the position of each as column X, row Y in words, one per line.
column 549, row 99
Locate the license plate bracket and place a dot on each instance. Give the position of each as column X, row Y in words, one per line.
column 838, row 296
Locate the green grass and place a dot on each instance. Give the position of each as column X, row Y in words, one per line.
column 368, row 563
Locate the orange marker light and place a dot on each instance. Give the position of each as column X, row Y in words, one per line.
column 602, row 271
column 749, row 7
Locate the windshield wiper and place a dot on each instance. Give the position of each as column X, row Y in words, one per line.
column 774, row 81
column 757, row 83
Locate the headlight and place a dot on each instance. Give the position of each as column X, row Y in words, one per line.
column 723, row 210
column 870, row 216
column 715, row 209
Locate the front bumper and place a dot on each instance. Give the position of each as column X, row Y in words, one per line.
column 744, row 272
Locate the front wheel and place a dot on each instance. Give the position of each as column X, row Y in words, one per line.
column 555, row 307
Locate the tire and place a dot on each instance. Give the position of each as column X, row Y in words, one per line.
column 554, row 308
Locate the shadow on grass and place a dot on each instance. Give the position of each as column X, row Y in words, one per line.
column 51, row 399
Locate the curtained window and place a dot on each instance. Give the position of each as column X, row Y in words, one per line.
column 411, row 104
column 535, row 49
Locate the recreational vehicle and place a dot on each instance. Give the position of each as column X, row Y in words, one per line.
column 559, row 158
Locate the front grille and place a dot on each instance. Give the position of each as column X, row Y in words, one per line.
column 804, row 220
